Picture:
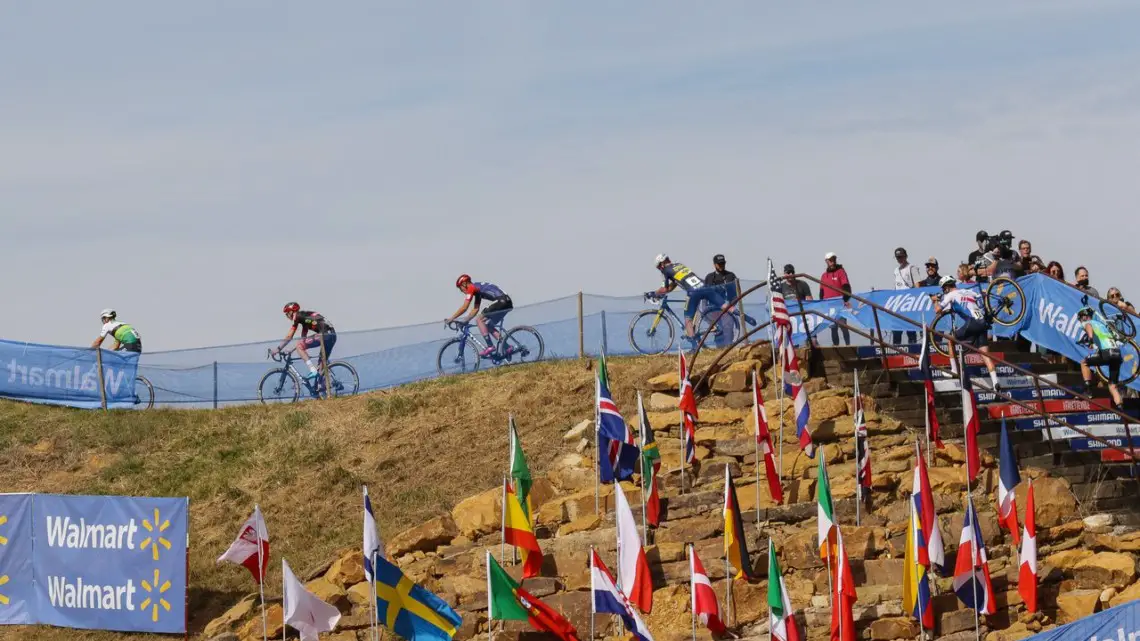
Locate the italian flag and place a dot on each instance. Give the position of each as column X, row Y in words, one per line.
column 781, row 621
column 825, row 515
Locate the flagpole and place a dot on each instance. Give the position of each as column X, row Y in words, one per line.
column 858, row 461
column 756, row 437
column 681, row 413
column 641, row 460
column 284, row 628
column 772, row 335
column 771, row 551
column 261, row 580
column 510, row 471
column 593, row 603
column 503, row 526
column 372, row 592
column 692, row 597
column 597, row 443
column 973, row 556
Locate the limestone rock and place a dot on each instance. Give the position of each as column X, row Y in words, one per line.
column 1067, row 559
column 987, row 522
column 1131, row 593
column 1105, row 569
column 865, row 542
column 251, row 631
column 581, row 524
column 330, row 593
column 1098, row 521
column 695, row 528
column 827, row 409
column 346, row 570
column 659, row 402
column 359, row 595
column 894, row 628
column 570, row 479
column 425, row 537
column 578, row 431
column 1129, row 542
column 732, row 381
column 956, row 621
column 1078, row 604
column 945, row 480
column 1015, row 632
column 228, row 618
column 1055, row 503
column 738, row 400
column 225, row 636
column 667, row 382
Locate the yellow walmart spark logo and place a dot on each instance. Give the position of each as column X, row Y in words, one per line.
column 155, row 592
column 3, row 578
column 156, row 529
column 3, row 521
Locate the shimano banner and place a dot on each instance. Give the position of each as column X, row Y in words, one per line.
column 94, row 562
column 1121, row 622
column 66, row 375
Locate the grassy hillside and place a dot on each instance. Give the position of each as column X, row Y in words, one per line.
column 420, row 449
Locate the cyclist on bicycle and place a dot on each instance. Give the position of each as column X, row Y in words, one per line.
column 1105, row 347
column 490, row 319
column 965, row 304
column 126, row 337
column 308, row 322
column 677, row 274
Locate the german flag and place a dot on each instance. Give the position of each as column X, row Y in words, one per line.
column 735, row 546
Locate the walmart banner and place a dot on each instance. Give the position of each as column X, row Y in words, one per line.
column 94, row 562
column 1121, row 622
column 66, row 375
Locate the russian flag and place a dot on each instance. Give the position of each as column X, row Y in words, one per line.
column 609, row 600
column 972, row 572
column 1008, row 479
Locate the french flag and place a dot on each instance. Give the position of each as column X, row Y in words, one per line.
column 972, row 572
column 970, row 422
column 1008, row 479
column 609, row 600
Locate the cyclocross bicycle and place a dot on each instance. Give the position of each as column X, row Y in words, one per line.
column 283, row 384
column 521, row 344
column 1004, row 303
column 144, row 393
column 1123, row 330
column 652, row 331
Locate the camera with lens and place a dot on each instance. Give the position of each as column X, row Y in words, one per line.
column 1003, row 240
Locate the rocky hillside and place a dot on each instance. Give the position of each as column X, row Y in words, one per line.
column 1087, row 560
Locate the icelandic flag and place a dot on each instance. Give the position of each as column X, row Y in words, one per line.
column 971, row 425
column 609, row 600
column 373, row 547
column 928, row 383
column 972, row 572
column 1008, row 479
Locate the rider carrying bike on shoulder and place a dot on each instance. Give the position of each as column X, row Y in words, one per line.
column 308, row 322
column 1105, row 347
column 491, row 317
column 966, row 305
column 677, row 274
column 126, row 337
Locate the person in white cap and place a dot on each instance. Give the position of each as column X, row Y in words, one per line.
column 835, row 284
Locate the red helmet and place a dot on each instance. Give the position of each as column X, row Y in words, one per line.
column 463, row 278
column 291, row 308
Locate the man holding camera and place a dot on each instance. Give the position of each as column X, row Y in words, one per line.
column 998, row 260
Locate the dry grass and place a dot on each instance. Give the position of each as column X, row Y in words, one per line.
column 420, row 448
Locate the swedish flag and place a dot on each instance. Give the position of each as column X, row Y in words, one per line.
column 409, row 610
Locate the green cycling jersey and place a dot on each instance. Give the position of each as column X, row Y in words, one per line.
column 1103, row 338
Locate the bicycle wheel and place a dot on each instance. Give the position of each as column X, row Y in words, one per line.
column 458, row 357
column 651, row 332
column 1119, row 318
column 279, row 385
column 945, row 322
column 523, row 344
column 345, row 381
column 1005, row 302
column 144, row 393
column 1129, row 369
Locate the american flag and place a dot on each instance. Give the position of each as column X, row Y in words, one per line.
column 780, row 317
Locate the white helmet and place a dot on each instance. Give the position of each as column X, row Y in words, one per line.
column 660, row 259
column 108, row 313
column 947, row 280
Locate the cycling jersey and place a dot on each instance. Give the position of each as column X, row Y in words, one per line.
column 313, row 322
column 964, row 303
column 1103, row 338
column 481, row 291
column 676, row 273
column 122, row 332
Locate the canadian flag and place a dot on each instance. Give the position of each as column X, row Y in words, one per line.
column 251, row 547
column 704, row 603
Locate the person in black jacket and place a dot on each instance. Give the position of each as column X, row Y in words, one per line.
column 723, row 279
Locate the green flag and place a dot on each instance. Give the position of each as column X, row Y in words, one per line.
column 503, row 604
column 780, row 620
column 520, row 473
column 603, row 375
column 825, row 514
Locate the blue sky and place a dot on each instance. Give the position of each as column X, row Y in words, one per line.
column 197, row 165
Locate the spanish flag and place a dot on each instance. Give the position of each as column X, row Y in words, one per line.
column 517, row 531
column 735, row 547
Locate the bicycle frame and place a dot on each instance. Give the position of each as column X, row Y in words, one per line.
column 290, row 357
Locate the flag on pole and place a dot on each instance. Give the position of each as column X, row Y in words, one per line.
column 972, row 571
column 862, row 446
column 303, row 610
column 1027, row 575
column 781, row 619
column 251, row 547
column 928, row 383
column 825, row 515
column 519, row 532
column 764, row 439
column 702, row 598
column 607, row 599
column 688, row 404
column 843, row 596
column 519, row 473
column 507, row 601
column 916, row 562
column 971, row 425
column 1008, row 479
column 779, row 311
column 633, row 568
column 735, row 544
column 794, row 387
column 934, row 547
column 410, row 610
column 372, row 546
column 617, row 454
column 650, row 467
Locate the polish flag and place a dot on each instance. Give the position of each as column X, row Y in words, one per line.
column 251, row 547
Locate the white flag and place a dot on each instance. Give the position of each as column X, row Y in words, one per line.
column 373, row 546
column 251, row 547
column 303, row 610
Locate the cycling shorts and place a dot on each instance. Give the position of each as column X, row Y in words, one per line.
column 132, row 347
column 975, row 332
column 709, row 295
column 1112, row 358
column 496, row 311
column 314, row 342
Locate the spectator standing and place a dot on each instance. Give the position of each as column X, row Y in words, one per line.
column 793, row 288
column 907, row 276
column 1036, row 265
column 1056, row 270
column 835, row 284
column 932, row 275
column 965, row 273
column 1082, row 276
column 723, row 279
column 1117, row 299
column 1025, row 258
column 975, row 256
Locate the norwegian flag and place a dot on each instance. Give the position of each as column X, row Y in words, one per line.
column 688, row 405
column 862, row 447
column 928, row 382
column 764, row 439
column 971, row 425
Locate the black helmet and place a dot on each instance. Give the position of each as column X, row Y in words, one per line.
column 718, row 259
column 1085, row 311
column 900, row 252
column 789, row 269
column 982, row 236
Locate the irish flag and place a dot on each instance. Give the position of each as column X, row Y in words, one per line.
column 825, row 515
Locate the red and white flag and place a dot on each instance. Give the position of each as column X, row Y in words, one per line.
column 251, row 547
column 764, row 439
column 633, row 568
column 971, row 423
column 843, row 595
column 303, row 610
column 703, row 599
column 1027, row 577
column 689, row 416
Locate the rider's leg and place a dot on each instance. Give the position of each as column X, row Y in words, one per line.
column 1114, row 377
column 989, row 364
column 1087, row 377
column 305, row 356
